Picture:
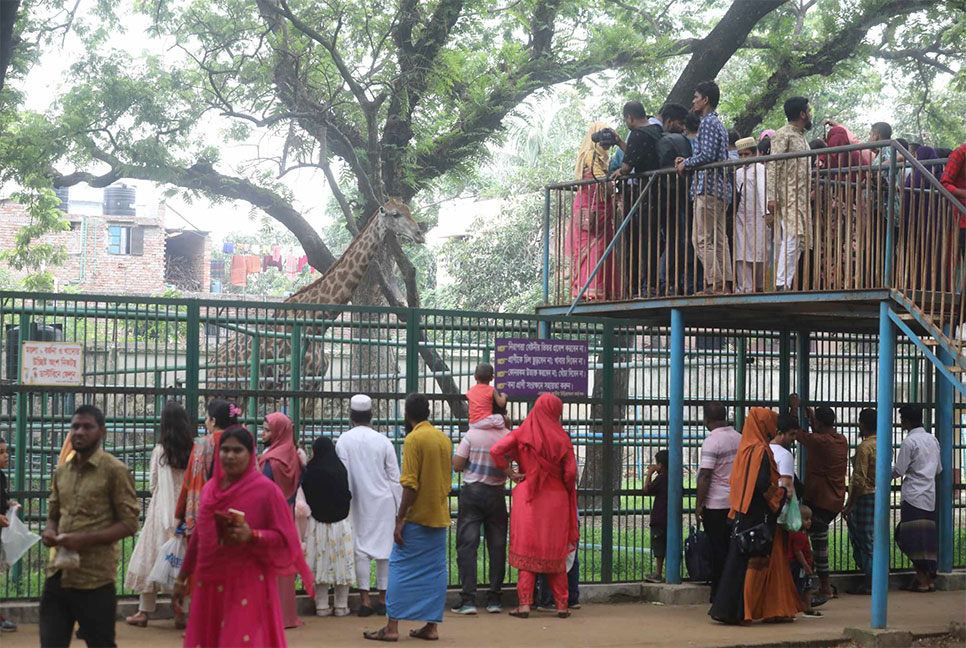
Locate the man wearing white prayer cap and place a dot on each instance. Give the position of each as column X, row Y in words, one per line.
column 370, row 460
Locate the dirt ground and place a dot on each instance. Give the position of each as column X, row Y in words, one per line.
column 599, row 626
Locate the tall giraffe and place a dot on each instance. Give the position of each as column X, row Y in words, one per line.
column 231, row 361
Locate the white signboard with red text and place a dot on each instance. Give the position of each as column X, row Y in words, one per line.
column 51, row 363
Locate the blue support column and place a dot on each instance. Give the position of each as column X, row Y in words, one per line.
column 675, row 481
column 883, row 467
column 944, row 486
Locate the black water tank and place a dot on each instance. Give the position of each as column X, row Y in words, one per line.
column 119, row 200
column 63, row 193
column 39, row 332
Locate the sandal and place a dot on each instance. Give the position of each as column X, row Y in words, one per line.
column 520, row 615
column 366, row 611
column 563, row 614
column 422, row 633
column 379, row 635
column 813, row 613
column 138, row 620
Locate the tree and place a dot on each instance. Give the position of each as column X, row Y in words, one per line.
column 403, row 94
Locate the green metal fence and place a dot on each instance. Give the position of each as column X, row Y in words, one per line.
column 308, row 360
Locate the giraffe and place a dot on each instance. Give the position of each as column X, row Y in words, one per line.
column 231, row 360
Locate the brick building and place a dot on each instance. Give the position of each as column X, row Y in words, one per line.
column 113, row 248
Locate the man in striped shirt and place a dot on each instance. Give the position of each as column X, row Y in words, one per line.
column 482, row 502
column 711, row 191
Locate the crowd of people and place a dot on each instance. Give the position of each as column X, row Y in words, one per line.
column 252, row 522
column 739, row 228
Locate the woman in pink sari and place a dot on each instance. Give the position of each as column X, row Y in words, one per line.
column 281, row 463
column 592, row 223
column 245, row 538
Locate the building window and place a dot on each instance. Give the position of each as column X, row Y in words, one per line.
column 118, row 239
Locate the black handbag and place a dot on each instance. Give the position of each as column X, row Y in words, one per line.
column 697, row 555
column 755, row 542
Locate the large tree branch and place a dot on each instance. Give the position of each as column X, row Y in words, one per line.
column 837, row 48
column 717, row 48
column 475, row 124
column 202, row 177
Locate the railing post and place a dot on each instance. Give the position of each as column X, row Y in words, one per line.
column 546, row 246
column 254, row 363
column 944, row 487
column 607, row 501
column 412, row 351
column 675, row 490
column 883, row 467
column 192, row 354
column 890, row 242
column 295, row 378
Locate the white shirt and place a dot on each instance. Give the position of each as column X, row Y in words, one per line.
column 751, row 233
column 718, row 453
column 784, row 459
column 370, row 461
column 918, row 464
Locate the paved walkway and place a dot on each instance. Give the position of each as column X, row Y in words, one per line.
column 595, row 626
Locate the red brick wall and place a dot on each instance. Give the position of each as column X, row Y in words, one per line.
column 99, row 272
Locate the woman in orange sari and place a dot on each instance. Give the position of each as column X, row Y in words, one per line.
column 759, row 587
column 592, row 222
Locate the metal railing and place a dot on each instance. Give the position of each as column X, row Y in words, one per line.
column 843, row 218
column 141, row 351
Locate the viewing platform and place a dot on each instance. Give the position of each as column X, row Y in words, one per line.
column 872, row 224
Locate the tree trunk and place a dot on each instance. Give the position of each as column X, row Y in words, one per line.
column 717, row 48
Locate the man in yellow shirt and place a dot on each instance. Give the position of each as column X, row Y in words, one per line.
column 417, row 567
column 859, row 511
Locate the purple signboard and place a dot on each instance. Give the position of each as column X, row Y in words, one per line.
column 526, row 367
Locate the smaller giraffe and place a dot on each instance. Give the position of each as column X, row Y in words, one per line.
column 336, row 286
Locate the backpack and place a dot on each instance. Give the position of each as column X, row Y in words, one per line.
column 697, row 555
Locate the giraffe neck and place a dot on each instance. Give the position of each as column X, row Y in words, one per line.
column 339, row 282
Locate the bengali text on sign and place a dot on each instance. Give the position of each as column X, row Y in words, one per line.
column 52, row 363
column 526, row 367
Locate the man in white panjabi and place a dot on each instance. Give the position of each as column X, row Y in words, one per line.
column 373, row 468
column 751, row 233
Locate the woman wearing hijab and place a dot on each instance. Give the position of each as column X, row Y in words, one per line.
column 756, row 587
column 280, row 463
column 328, row 536
column 592, row 222
column 543, row 518
column 246, row 539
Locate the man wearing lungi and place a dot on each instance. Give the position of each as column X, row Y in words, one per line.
column 918, row 464
column 417, row 567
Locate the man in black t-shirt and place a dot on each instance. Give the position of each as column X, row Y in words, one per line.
column 641, row 245
column 674, row 204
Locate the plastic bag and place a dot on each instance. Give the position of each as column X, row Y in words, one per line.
column 66, row 559
column 791, row 516
column 16, row 539
column 168, row 564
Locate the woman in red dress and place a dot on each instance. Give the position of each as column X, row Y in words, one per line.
column 543, row 519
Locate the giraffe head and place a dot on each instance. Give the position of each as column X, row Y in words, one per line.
column 399, row 219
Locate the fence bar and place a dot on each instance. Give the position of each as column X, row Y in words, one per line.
column 784, row 369
column 412, row 351
column 741, row 379
column 295, row 379
column 255, row 366
column 546, row 246
column 192, row 353
column 883, row 467
column 607, row 503
column 944, row 432
column 804, row 340
column 675, row 480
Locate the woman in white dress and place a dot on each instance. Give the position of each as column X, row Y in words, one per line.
column 168, row 462
column 329, row 548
